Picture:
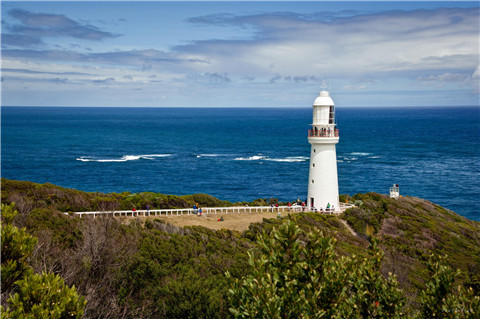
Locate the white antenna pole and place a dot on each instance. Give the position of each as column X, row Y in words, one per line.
column 324, row 86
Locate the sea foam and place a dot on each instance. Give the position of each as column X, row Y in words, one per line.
column 289, row 159
column 208, row 155
column 360, row 154
column 124, row 158
column 266, row 158
column 250, row 158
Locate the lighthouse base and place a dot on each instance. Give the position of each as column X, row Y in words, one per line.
column 323, row 180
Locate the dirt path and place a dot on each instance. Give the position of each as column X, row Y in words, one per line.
column 238, row 222
column 348, row 227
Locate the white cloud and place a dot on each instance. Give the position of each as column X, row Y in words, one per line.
column 353, row 87
column 386, row 44
column 430, row 47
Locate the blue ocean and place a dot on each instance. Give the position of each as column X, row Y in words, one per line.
column 240, row 154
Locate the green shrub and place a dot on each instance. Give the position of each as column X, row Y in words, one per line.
column 17, row 246
column 44, row 296
column 35, row 295
column 64, row 229
column 297, row 275
column 441, row 299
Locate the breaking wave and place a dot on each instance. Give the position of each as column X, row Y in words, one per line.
column 266, row 158
column 251, row 158
column 360, row 154
column 124, row 158
column 289, row 159
column 208, row 155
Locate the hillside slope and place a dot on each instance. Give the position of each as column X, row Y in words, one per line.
column 410, row 229
column 148, row 267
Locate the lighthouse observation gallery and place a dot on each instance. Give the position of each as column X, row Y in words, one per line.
column 323, row 135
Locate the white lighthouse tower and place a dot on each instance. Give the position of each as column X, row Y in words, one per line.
column 323, row 179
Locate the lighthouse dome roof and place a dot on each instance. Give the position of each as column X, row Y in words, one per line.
column 323, row 99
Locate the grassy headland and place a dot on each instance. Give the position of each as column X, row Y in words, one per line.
column 166, row 267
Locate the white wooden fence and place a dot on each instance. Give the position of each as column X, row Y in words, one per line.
column 209, row 210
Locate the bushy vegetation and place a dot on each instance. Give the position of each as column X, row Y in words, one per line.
column 187, row 267
column 411, row 229
column 442, row 298
column 298, row 275
column 135, row 270
column 26, row 294
column 157, row 270
column 29, row 196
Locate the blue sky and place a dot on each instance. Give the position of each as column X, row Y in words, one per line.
column 239, row 54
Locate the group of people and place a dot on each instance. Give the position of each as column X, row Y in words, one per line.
column 289, row 205
column 147, row 213
column 298, row 203
column 323, row 132
column 328, row 209
column 197, row 210
column 272, row 207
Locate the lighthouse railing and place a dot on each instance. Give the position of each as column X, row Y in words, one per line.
column 323, row 133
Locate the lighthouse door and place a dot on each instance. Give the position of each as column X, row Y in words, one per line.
column 311, row 202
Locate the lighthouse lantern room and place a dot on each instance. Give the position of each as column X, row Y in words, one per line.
column 323, row 135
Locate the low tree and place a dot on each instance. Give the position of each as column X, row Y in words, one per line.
column 17, row 247
column 298, row 275
column 35, row 295
column 371, row 295
column 442, row 298
column 44, row 296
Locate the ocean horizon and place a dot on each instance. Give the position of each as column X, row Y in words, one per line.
column 240, row 154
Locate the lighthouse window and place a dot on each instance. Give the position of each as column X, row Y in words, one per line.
column 313, row 181
column 314, row 150
column 313, row 164
column 332, row 115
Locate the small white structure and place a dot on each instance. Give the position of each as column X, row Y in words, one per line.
column 394, row 191
column 323, row 179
